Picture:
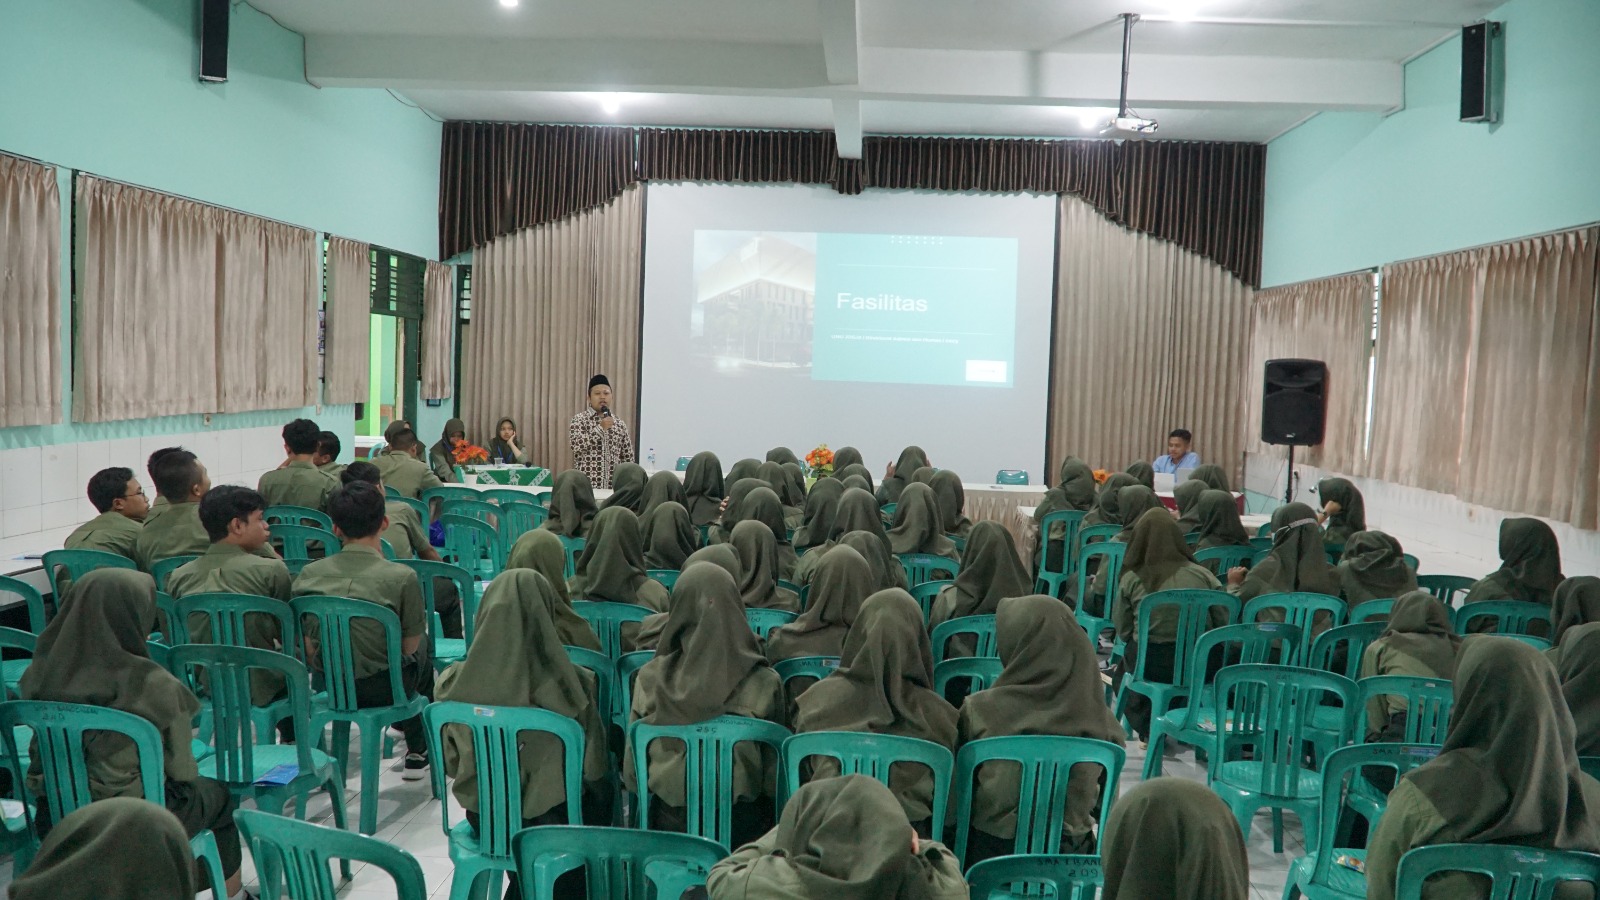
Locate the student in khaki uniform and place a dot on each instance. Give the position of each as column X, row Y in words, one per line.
column 120, row 499
column 360, row 571
column 408, row 538
column 161, row 503
column 182, row 479
column 326, row 459
column 400, row 468
column 298, row 482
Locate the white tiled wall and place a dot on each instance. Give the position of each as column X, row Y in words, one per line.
column 1448, row 536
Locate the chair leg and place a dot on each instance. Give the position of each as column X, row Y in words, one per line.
column 371, row 740
column 341, row 747
column 1153, row 749
column 335, row 788
column 1277, row 829
column 204, row 848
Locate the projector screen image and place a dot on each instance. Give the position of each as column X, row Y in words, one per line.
column 793, row 315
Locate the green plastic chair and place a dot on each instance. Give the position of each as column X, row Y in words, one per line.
column 605, row 677
column 450, row 492
column 30, row 596
column 1046, row 762
column 388, row 549
column 1268, row 710
column 574, row 547
column 1373, row 610
column 799, row 590
column 519, row 517
column 389, row 493
column 667, row 578
column 1110, row 554
column 1299, row 608
column 298, row 515
column 162, row 569
column 872, row 755
column 980, row 627
column 1089, row 535
column 886, row 512
column 417, row 506
column 447, row 650
column 1265, row 531
column 1446, row 587
column 472, row 508
column 1011, row 476
column 167, row 620
column 15, row 639
column 61, row 732
column 1192, row 538
column 1335, row 553
column 1316, row 876
column 1261, row 542
column 1411, row 562
column 504, row 495
column 814, row 667
column 606, row 617
column 1195, row 723
column 958, row 540
column 920, row 567
column 79, row 563
column 1537, row 643
column 229, row 616
column 1511, row 617
column 628, row 667
column 295, row 566
column 292, row 855
column 1354, row 638
column 620, row 863
column 496, row 732
column 1193, row 610
column 336, row 618
column 473, row 545
column 927, row 592
column 1051, row 581
column 297, row 540
column 683, row 463
column 1428, row 703
column 708, row 767
column 979, row 672
column 1225, row 558
column 1056, row 875
column 762, row 621
column 1515, row 873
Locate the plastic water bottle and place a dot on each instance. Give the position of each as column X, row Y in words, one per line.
column 651, row 459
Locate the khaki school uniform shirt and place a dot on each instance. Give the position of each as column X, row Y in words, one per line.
column 333, row 469
column 298, row 484
column 363, row 574
column 405, row 533
column 227, row 569
column 111, row 532
column 177, row 532
column 406, row 474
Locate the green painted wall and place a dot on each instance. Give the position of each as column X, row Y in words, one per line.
column 1348, row 191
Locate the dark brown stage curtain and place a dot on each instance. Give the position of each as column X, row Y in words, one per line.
column 1205, row 197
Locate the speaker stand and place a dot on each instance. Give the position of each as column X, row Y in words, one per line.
column 1288, row 482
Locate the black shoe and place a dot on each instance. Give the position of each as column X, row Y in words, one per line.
column 416, row 767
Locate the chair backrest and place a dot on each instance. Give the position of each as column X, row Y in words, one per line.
column 872, row 755
column 1537, row 643
column 1515, row 873
column 301, row 852
column 1193, row 609
column 518, row 517
column 17, row 639
column 1225, row 558
column 162, row 569
column 61, row 732
column 818, row 667
column 707, row 766
column 665, row 577
column 167, row 618
column 1411, row 562
column 574, row 547
column 497, row 733
column 762, row 621
column 1261, row 542
column 298, row 515
column 1109, row 553
column 417, row 506
column 926, row 592
column 475, row 507
column 1346, row 779
column 980, row 627
column 1270, row 710
column 605, row 677
column 921, row 567
column 429, row 574
column 227, row 674
column 229, row 617
column 1376, row 610
column 1428, row 703
column 628, row 666
column 1256, row 642
column 1299, row 608
column 1011, row 476
column 1192, row 538
column 79, row 563
column 387, row 548
column 1060, row 876
column 296, row 540
column 1446, row 587
column 1070, row 520
column 606, row 618
column 1510, row 616
column 389, row 493
column 335, row 619
column 1092, row 534
column 472, row 544
column 1353, row 638
column 979, row 672
column 1046, row 762
column 621, row 863
column 450, row 492
column 30, row 596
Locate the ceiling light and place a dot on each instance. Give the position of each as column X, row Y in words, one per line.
column 509, row 4
column 610, row 103
column 1093, row 116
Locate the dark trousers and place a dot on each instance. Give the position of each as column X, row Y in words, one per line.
column 1157, row 667
column 416, row 677
column 200, row 804
column 447, row 603
column 751, row 819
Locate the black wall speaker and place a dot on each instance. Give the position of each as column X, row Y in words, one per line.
column 214, row 39
column 1480, row 71
column 1293, row 401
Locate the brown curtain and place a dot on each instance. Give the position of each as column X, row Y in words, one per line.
column 1328, row 319
column 266, row 314
column 347, row 317
column 438, row 315
column 552, row 306
column 1148, row 337
column 30, row 294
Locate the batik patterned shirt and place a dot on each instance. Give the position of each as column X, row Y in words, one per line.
column 597, row 451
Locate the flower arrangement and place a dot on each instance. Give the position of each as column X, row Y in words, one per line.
column 1100, row 475
column 468, row 454
column 821, row 461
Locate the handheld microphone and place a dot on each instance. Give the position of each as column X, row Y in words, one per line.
column 605, row 411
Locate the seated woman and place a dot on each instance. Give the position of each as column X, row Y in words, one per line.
column 758, row 559
column 1373, row 568
column 856, row 470
column 708, row 664
column 1187, row 496
column 93, row 652
column 1577, row 661
column 120, row 847
column 540, row 551
column 1105, row 510
column 1132, row 502
column 919, row 525
column 840, row 839
column 1157, row 559
column 1050, row 685
column 744, row 468
column 572, row 508
column 647, row 634
column 1530, row 567
column 1218, row 514
column 503, row 446
column 782, row 456
column 899, row 475
column 1419, row 641
column 1508, row 774
column 822, row 505
column 857, row 511
column 1074, row 489
column 703, row 488
column 1343, row 511
column 1142, row 473
column 884, row 685
column 777, row 479
column 1213, row 477
column 441, row 456
column 842, row 582
column 1576, row 602
column 662, row 487
column 627, row 488
column 952, row 499
column 612, row 565
column 1297, row 562
column 992, row 572
column 668, row 537
column 886, row 570
column 1175, row 839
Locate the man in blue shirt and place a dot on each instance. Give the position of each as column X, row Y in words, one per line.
column 1178, row 455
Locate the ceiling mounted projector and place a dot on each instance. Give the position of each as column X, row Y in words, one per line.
column 1136, row 124
column 1126, row 119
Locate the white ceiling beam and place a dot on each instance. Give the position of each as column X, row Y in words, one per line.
column 841, row 40
column 847, row 127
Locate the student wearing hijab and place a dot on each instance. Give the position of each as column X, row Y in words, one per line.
column 762, row 505
column 503, row 446
column 1218, row 514
column 822, row 504
column 612, row 564
column 744, row 468
column 794, row 488
column 1373, row 567
column 1134, row 501
column 627, row 488
column 1188, row 497
column 93, row 652
column 1050, row 685
column 918, row 525
column 923, row 475
column 662, row 487
column 952, row 497
column 122, row 848
column 854, row 480
column 572, row 507
column 1212, row 476
column 886, row 570
column 1074, row 489
column 990, row 573
column 1420, row 642
column 857, row 510
column 857, row 469
column 899, row 475
column 1576, row 602
column 1530, row 565
column 1142, row 473
column 1577, row 661
column 842, row 582
column 782, row 456
column 884, row 685
column 840, row 839
column 647, row 634
column 1511, row 740
column 1297, row 562
column 777, row 479
column 702, row 488
column 1343, row 511
column 847, row 456
column 1175, row 839
column 668, row 537
column 734, row 510
column 541, row 551
column 441, row 456
column 1157, row 559
column 1106, row 511
column 708, row 664
column 758, row 560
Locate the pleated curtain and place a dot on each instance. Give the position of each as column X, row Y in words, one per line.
column 347, row 316
column 552, row 306
column 30, row 294
column 266, row 315
column 438, row 317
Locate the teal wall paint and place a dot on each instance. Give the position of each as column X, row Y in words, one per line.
column 1348, row 190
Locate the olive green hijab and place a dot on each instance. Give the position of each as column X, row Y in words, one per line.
column 1577, row 602
column 120, row 848
column 923, row 475
column 744, row 468
column 612, row 565
column 990, row 572
column 1075, row 489
column 445, row 447
column 918, row 525
column 1373, row 567
column 668, row 537
column 706, row 651
column 1578, row 665
column 1174, row 839
column 1511, row 739
column 822, row 505
column 843, row 580
column 886, row 570
column 762, row 505
column 1420, row 627
column 1142, row 473
column 758, row 560
column 858, row 470
column 1106, row 511
column 1297, row 562
column 911, row 459
column 1188, row 497
column 1134, row 501
column 735, row 513
column 781, row 455
column 858, row 511
column 1218, row 514
column 702, row 488
column 572, row 508
column 627, row 487
column 794, row 485
column 541, row 552
column 776, row 478
column 1156, row 550
column 952, row 499
column 1352, row 514
column 846, row 456
column 1212, row 476
column 663, row 487
column 1530, row 564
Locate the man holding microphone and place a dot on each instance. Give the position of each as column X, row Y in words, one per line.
column 599, row 439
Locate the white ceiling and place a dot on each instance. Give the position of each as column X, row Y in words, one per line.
column 1205, row 69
